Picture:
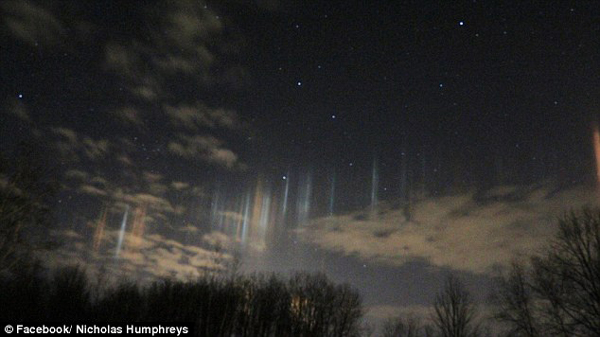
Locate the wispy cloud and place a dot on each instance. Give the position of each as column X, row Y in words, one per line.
column 472, row 232
column 149, row 257
column 18, row 109
column 204, row 148
column 32, row 23
column 188, row 39
column 199, row 115
column 128, row 115
column 73, row 146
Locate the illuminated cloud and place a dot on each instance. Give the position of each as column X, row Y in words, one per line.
column 17, row 109
column 128, row 115
column 179, row 185
column 95, row 149
column 199, row 115
column 32, row 24
column 205, row 148
column 73, row 146
column 151, row 177
column 192, row 44
column 469, row 232
column 92, row 190
column 149, row 257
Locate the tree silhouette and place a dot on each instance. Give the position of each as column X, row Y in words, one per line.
column 406, row 327
column 25, row 189
column 454, row 310
column 558, row 292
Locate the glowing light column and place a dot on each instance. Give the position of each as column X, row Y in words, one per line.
column 332, row 194
column 303, row 201
column 285, row 195
column 374, row 186
column 99, row 232
column 122, row 232
column 597, row 150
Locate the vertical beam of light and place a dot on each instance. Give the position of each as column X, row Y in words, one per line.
column 405, row 185
column 221, row 213
column 374, row 185
column 285, row 196
column 303, row 201
column 246, row 220
column 256, row 213
column 99, row 232
column 122, row 232
column 214, row 208
column 332, row 194
column 423, row 190
column 403, row 177
column 240, row 218
column 596, row 139
column 264, row 214
column 139, row 226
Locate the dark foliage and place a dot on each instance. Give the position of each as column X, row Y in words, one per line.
column 304, row 305
column 26, row 189
column 558, row 292
column 406, row 327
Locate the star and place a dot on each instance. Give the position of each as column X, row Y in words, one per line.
column 461, row 23
column 20, row 96
column 299, row 83
column 332, row 116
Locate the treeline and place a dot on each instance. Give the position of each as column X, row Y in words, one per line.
column 303, row 305
column 553, row 293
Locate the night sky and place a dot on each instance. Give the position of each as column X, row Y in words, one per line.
column 386, row 144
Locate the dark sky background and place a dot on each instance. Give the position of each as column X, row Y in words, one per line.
column 413, row 138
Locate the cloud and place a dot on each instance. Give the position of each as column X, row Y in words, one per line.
column 76, row 175
column 218, row 240
column 199, row 115
column 68, row 134
column 32, row 24
column 382, row 312
column 71, row 145
column 144, row 258
column 187, row 39
column 95, row 149
column 92, row 190
column 152, row 177
column 125, row 160
column 179, row 185
column 121, row 59
column 128, row 115
column 471, row 232
column 17, row 109
column 145, row 199
column 189, row 229
column 205, row 148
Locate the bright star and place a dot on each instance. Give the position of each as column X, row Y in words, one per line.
column 299, row 83
column 461, row 23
